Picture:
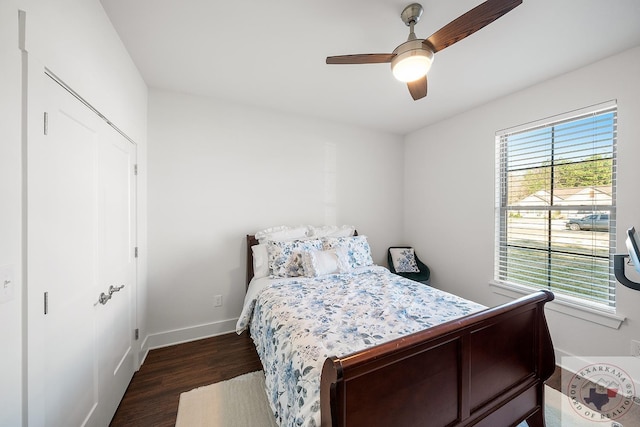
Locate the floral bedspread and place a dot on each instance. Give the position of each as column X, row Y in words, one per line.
column 297, row 323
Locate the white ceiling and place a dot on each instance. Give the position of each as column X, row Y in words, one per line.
column 272, row 54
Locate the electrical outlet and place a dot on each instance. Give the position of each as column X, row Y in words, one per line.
column 635, row 348
column 217, row 300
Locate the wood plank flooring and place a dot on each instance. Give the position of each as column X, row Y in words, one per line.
column 153, row 394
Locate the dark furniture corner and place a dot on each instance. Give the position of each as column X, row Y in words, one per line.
column 421, row 276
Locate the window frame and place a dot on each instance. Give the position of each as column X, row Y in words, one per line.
column 502, row 208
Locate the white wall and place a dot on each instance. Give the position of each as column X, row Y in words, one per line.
column 449, row 198
column 74, row 39
column 218, row 172
column 10, row 217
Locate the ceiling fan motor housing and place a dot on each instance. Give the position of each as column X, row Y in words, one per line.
column 411, row 52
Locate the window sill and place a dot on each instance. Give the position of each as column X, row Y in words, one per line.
column 563, row 305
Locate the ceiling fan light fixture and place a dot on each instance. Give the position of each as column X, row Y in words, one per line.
column 412, row 64
column 411, row 61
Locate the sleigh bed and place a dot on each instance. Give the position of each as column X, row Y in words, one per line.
column 474, row 366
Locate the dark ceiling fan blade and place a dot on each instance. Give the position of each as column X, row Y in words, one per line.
column 418, row 88
column 469, row 23
column 365, row 58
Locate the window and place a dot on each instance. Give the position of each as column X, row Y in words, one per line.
column 555, row 205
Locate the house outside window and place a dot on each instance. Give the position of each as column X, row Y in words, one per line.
column 555, row 206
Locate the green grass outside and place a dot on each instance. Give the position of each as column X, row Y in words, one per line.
column 574, row 275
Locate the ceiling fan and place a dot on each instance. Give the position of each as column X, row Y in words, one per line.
column 411, row 61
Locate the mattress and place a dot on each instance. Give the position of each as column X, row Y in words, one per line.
column 297, row 323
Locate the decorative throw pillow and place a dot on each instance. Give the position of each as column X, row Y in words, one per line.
column 356, row 247
column 404, row 260
column 319, row 263
column 285, row 258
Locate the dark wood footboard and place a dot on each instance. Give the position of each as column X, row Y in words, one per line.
column 485, row 369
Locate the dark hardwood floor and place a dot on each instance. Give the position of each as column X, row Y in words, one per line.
column 153, row 395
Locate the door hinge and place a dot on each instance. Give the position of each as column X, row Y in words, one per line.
column 135, row 252
column 46, row 303
column 136, row 333
column 135, row 169
column 46, row 123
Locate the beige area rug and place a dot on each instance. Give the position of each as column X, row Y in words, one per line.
column 238, row 402
column 242, row 402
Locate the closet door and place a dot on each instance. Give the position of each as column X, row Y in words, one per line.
column 116, row 266
column 80, row 235
column 62, row 264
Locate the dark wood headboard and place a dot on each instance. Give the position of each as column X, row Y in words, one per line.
column 252, row 241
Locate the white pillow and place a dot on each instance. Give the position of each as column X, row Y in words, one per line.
column 260, row 261
column 332, row 231
column 282, row 232
column 404, row 260
column 319, row 263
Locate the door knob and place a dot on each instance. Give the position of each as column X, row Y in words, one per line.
column 103, row 299
column 113, row 289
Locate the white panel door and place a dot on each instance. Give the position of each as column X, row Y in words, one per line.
column 116, row 266
column 62, row 263
column 80, row 241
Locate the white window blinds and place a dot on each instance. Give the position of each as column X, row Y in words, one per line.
column 555, row 205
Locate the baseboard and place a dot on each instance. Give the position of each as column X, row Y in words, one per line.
column 144, row 351
column 179, row 336
column 561, row 354
column 577, row 362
